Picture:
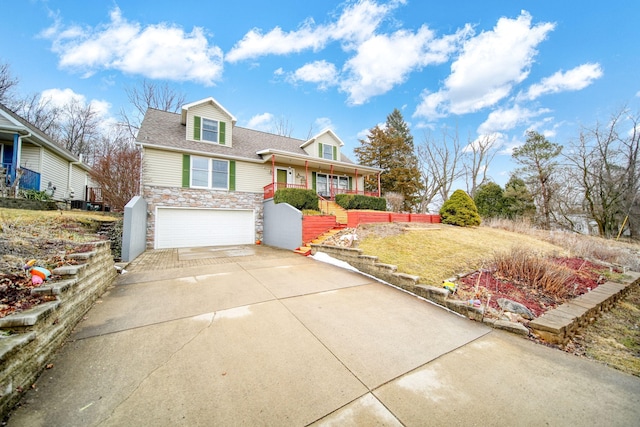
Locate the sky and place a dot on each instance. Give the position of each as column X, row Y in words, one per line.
column 486, row 68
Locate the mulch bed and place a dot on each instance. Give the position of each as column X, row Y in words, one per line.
column 586, row 276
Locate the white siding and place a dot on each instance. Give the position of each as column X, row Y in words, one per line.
column 162, row 168
column 55, row 170
column 31, row 158
column 324, row 139
column 79, row 181
column 208, row 111
column 252, row 177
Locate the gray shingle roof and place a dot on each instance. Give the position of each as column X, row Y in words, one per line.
column 164, row 130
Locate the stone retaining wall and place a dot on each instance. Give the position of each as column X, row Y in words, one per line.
column 559, row 325
column 36, row 334
column 556, row 326
column 370, row 265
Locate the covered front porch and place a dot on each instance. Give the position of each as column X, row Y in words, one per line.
column 327, row 178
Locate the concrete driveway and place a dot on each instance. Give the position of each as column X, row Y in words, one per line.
column 258, row 336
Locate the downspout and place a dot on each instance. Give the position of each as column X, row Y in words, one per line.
column 379, row 189
column 69, row 188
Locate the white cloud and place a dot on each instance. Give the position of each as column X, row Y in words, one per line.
column 488, row 67
column 323, row 123
column 383, row 61
column 507, row 118
column 323, row 73
column 575, row 79
column 60, row 98
column 159, row 51
column 262, row 122
column 356, row 23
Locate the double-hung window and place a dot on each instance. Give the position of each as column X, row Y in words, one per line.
column 209, row 173
column 327, row 151
column 209, row 130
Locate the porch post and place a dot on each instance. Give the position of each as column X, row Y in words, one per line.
column 379, row 190
column 273, row 172
column 356, row 180
column 331, row 181
column 15, row 158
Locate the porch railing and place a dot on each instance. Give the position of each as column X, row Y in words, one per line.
column 270, row 189
column 30, row 180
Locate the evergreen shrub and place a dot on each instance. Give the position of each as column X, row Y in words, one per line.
column 460, row 210
column 299, row 198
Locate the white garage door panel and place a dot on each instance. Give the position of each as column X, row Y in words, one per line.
column 182, row 228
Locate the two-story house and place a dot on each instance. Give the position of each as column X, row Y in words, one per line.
column 205, row 179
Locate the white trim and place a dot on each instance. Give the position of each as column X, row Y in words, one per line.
column 210, row 161
column 210, row 100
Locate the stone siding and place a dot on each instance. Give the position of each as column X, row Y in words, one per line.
column 30, row 338
column 199, row 198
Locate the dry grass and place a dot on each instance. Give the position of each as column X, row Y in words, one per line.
column 523, row 265
column 614, row 338
column 26, row 234
column 436, row 253
column 590, row 247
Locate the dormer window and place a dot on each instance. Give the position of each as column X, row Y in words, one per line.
column 208, row 130
column 327, row 152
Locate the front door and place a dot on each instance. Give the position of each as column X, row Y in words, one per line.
column 284, row 177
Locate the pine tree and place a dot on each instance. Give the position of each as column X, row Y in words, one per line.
column 538, row 158
column 391, row 149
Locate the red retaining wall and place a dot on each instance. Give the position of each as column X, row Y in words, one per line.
column 369, row 217
column 315, row 225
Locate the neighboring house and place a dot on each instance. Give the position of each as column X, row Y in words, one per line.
column 39, row 163
column 205, row 179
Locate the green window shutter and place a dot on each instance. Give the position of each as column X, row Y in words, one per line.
column 186, row 170
column 196, row 128
column 223, row 133
column 313, row 181
column 350, row 183
column 232, row 175
column 335, row 153
column 320, row 153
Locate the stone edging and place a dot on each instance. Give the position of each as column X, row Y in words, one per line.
column 561, row 323
column 555, row 326
column 37, row 333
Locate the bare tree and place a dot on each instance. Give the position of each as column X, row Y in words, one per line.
column 7, row 83
column 282, row 126
column 478, row 155
column 39, row 112
column 78, row 128
column 117, row 168
column 149, row 95
column 605, row 160
column 440, row 164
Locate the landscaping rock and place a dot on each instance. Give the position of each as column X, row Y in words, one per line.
column 515, row 307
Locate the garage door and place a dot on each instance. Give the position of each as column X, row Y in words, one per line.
column 183, row 228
